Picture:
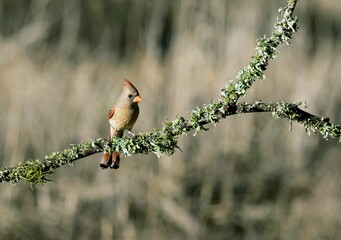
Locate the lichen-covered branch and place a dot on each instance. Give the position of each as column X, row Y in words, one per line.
column 292, row 112
column 266, row 49
column 164, row 140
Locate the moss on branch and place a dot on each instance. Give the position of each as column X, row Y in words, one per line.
column 164, row 141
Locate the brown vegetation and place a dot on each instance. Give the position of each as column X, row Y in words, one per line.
column 61, row 67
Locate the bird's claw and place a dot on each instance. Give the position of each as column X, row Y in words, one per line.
column 131, row 133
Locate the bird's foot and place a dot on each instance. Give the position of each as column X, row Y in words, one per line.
column 131, row 133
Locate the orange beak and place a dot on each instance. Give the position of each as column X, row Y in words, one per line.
column 137, row 99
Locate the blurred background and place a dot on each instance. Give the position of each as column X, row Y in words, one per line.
column 61, row 67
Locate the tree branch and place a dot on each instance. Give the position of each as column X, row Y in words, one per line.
column 292, row 112
column 164, row 140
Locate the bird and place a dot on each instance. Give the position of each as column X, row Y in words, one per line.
column 122, row 116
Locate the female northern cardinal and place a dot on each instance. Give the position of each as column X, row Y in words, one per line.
column 122, row 116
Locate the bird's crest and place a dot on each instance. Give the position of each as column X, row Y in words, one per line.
column 128, row 84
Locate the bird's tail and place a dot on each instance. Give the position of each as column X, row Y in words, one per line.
column 110, row 160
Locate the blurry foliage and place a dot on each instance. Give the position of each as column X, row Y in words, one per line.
column 249, row 178
column 119, row 28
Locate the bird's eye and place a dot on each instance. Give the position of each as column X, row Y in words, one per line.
column 130, row 96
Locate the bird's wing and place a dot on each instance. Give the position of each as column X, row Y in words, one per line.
column 110, row 115
column 111, row 112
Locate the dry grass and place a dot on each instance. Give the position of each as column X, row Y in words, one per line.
column 247, row 178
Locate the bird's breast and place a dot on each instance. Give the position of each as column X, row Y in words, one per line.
column 125, row 118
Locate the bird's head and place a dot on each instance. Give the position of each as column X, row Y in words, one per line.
column 130, row 92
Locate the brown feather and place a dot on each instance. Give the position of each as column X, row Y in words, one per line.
column 128, row 83
column 111, row 112
column 106, row 161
